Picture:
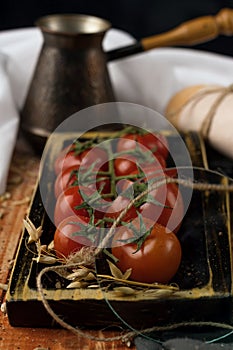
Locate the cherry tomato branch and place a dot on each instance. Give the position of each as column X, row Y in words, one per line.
column 106, row 199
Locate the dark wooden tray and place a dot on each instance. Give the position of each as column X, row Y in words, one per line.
column 204, row 277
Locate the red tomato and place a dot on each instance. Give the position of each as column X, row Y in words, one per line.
column 66, row 203
column 96, row 156
column 117, row 206
column 69, row 177
column 60, row 159
column 129, row 164
column 127, row 142
column 125, row 165
column 69, row 236
column 71, row 159
column 94, row 180
column 170, row 210
column 157, row 260
column 65, row 179
column 103, row 184
column 157, row 143
column 172, row 213
column 66, row 159
column 158, row 161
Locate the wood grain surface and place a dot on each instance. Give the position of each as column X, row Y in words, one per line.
column 13, row 208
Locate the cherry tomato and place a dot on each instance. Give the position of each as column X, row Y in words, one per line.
column 172, row 213
column 158, row 258
column 169, row 211
column 66, row 159
column 94, row 179
column 66, row 203
column 129, row 164
column 157, row 143
column 70, row 236
column 125, row 165
column 127, row 142
column 117, row 206
column 69, row 177
column 65, row 178
column 96, row 156
column 60, row 159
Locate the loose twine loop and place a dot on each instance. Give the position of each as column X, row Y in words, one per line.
column 196, row 98
column 129, row 335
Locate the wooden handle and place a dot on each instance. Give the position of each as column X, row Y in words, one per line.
column 193, row 32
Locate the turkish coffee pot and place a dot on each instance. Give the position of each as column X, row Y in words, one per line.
column 71, row 72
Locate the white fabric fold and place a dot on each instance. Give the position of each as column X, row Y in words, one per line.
column 152, row 77
column 9, row 122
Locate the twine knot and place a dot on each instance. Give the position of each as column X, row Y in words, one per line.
column 208, row 120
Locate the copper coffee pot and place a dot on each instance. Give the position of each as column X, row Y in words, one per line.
column 71, row 72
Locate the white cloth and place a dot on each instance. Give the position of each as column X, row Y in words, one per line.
column 8, row 123
column 153, row 77
column 149, row 79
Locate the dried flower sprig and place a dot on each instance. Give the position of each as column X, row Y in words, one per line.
column 34, row 233
column 81, row 277
column 116, row 272
column 45, row 254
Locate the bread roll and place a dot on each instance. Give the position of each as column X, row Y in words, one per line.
column 207, row 109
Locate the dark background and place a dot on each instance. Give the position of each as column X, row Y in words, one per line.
column 141, row 18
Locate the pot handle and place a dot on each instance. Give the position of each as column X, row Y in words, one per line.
column 189, row 33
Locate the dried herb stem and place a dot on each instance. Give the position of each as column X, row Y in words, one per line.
column 139, row 284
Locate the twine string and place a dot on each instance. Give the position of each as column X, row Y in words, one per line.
column 208, row 120
column 59, row 320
